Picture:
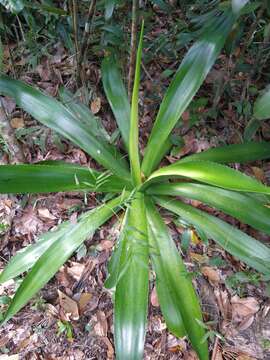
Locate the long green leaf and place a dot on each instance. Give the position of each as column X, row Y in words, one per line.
column 188, row 79
column 58, row 253
column 54, row 115
column 177, row 298
column 237, row 243
column 134, row 122
column 131, row 297
column 262, row 106
column 26, row 258
column 242, row 207
column 83, row 114
column 19, row 179
column 117, row 96
column 236, row 153
column 213, row 174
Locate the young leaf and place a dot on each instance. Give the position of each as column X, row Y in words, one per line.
column 178, row 301
column 237, row 243
column 134, row 123
column 241, row 206
column 18, row 179
column 236, row 153
column 262, row 106
column 188, row 79
column 58, row 253
column 53, row 114
column 213, row 174
column 131, row 296
column 117, row 96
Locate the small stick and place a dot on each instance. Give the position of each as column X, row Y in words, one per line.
column 133, row 42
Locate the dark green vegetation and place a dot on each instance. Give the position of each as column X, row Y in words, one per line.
column 139, row 186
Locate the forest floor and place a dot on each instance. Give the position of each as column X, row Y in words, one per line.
column 72, row 317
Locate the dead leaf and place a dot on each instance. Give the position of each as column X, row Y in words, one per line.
column 17, row 123
column 211, row 274
column 68, row 306
column 110, row 351
column 258, row 173
column 243, row 307
column 84, row 300
column 76, row 270
column 96, row 105
column 101, row 327
column 45, row 214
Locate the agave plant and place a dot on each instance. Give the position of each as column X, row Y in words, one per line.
column 139, row 189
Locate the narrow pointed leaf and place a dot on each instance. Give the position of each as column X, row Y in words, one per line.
column 131, row 297
column 117, row 96
column 83, row 114
column 237, row 153
column 177, row 298
column 188, row 79
column 236, row 242
column 241, row 206
column 114, row 266
column 18, row 179
column 53, row 114
column 262, row 106
column 134, row 122
column 213, row 174
column 26, row 258
column 58, row 253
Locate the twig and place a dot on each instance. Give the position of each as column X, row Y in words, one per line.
column 8, row 135
column 87, row 28
column 133, row 42
column 74, row 13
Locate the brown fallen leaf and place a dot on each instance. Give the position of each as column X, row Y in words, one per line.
column 76, row 270
column 211, row 274
column 96, row 105
column 101, row 327
column 68, row 306
column 258, row 173
column 17, row 123
column 45, row 214
column 243, row 307
column 83, row 301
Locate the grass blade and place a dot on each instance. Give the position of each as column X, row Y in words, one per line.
column 131, row 297
column 117, row 96
column 188, row 79
column 53, row 114
column 177, row 298
column 18, row 179
column 236, row 153
column 241, row 206
column 58, row 253
column 237, row 243
column 134, row 123
column 213, row 174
